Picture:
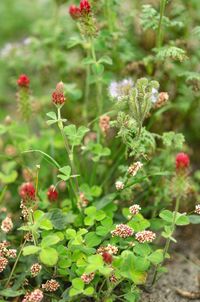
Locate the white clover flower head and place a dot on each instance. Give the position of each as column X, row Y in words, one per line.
column 7, row 225
column 111, row 249
column 51, row 286
column 154, row 95
column 87, row 278
column 197, row 209
column 134, row 209
column 119, row 185
column 145, row 236
column 134, row 168
column 120, row 90
column 3, row 263
column 122, row 230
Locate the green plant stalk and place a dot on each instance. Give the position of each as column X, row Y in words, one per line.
column 139, row 130
column 69, row 152
column 87, row 93
column 15, row 264
column 32, row 223
column 70, row 157
column 109, row 14
column 98, row 83
column 159, row 33
column 110, row 288
column 3, row 193
column 37, row 179
column 116, row 162
column 167, row 244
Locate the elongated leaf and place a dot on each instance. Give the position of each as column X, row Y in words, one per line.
column 47, row 156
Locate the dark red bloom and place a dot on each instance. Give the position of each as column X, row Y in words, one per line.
column 27, row 191
column 23, row 81
column 182, row 161
column 74, row 12
column 85, row 7
column 107, row 257
column 58, row 97
column 52, row 193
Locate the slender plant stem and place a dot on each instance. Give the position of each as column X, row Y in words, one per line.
column 159, row 33
column 37, row 179
column 32, row 223
column 101, row 287
column 98, row 82
column 87, row 93
column 167, row 244
column 69, row 153
column 3, row 193
column 15, row 264
column 116, row 162
column 108, row 6
column 71, row 162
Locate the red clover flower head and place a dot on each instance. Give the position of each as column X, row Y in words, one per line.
column 107, row 257
column 58, row 97
column 85, row 7
column 23, row 81
column 74, row 12
column 182, row 161
column 27, row 191
column 52, row 193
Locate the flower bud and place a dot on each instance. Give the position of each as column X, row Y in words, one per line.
column 23, row 81
column 182, row 161
column 52, row 193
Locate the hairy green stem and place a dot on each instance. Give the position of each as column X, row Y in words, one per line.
column 3, row 193
column 98, row 82
column 37, row 179
column 69, row 152
column 70, row 158
column 31, row 219
column 167, row 244
column 15, row 264
column 159, row 33
column 87, row 93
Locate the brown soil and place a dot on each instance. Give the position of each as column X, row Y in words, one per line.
column 183, row 270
